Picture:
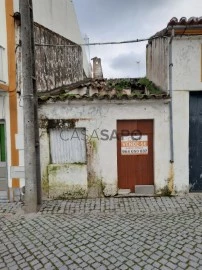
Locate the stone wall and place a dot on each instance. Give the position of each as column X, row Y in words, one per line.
column 56, row 66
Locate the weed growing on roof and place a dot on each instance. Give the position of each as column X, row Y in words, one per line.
column 151, row 87
column 119, row 84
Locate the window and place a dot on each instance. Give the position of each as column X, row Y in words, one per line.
column 68, row 145
column 2, row 143
column 2, row 63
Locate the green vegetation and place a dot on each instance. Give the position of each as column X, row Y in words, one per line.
column 151, row 87
column 119, row 84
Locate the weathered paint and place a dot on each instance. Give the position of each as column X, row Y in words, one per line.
column 67, row 145
column 67, row 180
column 181, row 140
column 103, row 115
column 157, row 62
column 186, row 60
column 186, row 73
column 45, row 149
column 187, row 63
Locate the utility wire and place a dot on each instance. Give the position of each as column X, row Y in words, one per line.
column 96, row 43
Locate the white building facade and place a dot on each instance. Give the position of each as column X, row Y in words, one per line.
column 82, row 137
column 174, row 63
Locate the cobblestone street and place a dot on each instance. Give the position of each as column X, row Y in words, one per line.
column 107, row 233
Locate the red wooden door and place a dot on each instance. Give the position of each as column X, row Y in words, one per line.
column 135, row 153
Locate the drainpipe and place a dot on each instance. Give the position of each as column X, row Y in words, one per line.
column 171, row 96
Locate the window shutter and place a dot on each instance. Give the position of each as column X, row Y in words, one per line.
column 68, row 145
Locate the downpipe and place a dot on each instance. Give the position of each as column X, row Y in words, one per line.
column 171, row 172
column 171, row 97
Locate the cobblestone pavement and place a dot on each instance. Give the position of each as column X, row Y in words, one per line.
column 113, row 233
column 9, row 208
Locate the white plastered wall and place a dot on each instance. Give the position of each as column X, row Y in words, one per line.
column 181, row 140
column 3, row 41
column 187, row 63
column 186, row 77
column 104, row 115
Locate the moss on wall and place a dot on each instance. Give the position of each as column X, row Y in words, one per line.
column 45, row 185
column 62, row 188
column 64, row 191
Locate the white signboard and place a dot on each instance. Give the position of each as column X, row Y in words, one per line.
column 134, row 145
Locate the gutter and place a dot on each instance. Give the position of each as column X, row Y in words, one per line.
column 171, row 96
column 184, row 27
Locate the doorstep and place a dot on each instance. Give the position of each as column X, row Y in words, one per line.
column 129, row 195
column 140, row 191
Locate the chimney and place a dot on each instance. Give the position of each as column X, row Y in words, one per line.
column 97, row 68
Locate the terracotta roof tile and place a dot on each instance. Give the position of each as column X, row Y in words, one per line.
column 185, row 21
column 103, row 97
column 90, row 89
column 190, row 26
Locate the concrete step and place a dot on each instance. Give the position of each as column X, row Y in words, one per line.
column 124, row 191
column 144, row 189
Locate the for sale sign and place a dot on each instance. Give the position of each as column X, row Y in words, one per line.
column 134, row 145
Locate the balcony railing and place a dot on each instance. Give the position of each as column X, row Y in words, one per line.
column 2, row 64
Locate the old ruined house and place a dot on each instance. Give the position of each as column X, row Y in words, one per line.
column 80, row 153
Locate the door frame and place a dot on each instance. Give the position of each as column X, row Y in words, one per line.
column 153, row 155
column 4, row 164
column 192, row 93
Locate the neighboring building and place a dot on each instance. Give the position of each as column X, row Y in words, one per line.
column 80, row 153
column 55, row 23
column 60, row 17
column 174, row 63
column 9, row 157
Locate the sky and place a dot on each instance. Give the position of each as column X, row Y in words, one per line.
column 119, row 20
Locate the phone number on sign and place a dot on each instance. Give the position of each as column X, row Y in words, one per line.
column 138, row 151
